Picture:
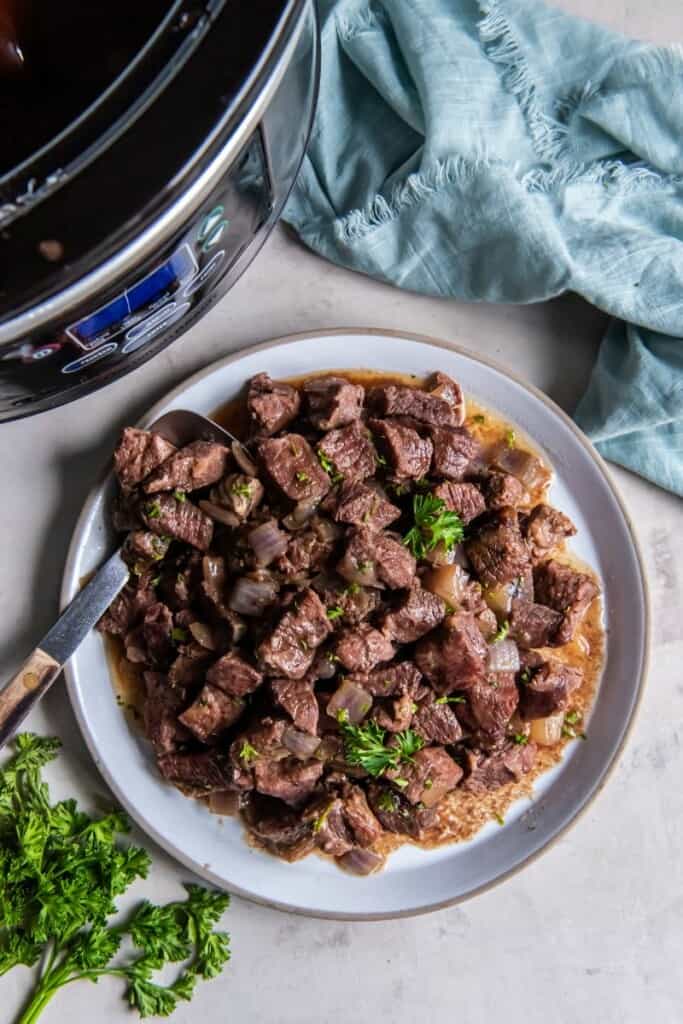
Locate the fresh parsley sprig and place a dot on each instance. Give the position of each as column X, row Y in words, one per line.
column 60, row 874
column 433, row 524
column 364, row 745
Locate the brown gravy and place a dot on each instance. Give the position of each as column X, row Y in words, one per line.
column 462, row 814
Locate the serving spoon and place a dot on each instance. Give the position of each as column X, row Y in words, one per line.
column 35, row 677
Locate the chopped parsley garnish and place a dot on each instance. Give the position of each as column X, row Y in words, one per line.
column 364, row 745
column 335, row 613
column 526, row 675
column 353, row 588
column 500, row 819
column 501, row 633
column 428, row 783
column 365, row 566
column 302, row 477
column 332, row 657
column 434, row 524
column 153, row 510
column 398, row 781
column 241, row 490
column 248, row 753
column 520, row 739
column 387, row 801
column 179, row 636
column 180, row 496
column 422, row 484
column 450, row 700
column 322, row 818
column 510, row 438
column 329, row 467
column 479, row 418
column 571, row 719
column 156, row 581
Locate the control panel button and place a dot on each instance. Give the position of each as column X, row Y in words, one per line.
column 90, row 357
column 146, row 330
column 205, row 273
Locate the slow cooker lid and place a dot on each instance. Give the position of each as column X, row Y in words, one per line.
column 115, row 168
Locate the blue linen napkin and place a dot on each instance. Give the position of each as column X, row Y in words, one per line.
column 503, row 151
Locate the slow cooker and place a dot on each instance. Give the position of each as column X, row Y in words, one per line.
column 142, row 170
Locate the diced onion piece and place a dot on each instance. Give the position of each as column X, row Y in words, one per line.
column 301, row 744
column 268, row 542
column 365, row 574
column 503, row 656
column 438, row 556
column 526, row 467
column 499, row 599
column 203, row 635
column 448, row 582
column 224, row 801
column 324, row 667
column 243, row 459
column 300, row 515
column 353, row 699
column 220, row 514
column 250, row 597
column 547, row 731
column 361, row 862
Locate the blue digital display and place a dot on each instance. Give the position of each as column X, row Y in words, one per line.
column 108, row 320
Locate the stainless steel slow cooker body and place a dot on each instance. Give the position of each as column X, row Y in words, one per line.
column 89, row 292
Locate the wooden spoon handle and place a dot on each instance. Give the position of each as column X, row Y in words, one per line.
column 18, row 696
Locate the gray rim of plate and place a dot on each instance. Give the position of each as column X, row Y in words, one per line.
column 71, row 583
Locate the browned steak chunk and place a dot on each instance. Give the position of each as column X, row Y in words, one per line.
column 234, row 676
column 279, row 828
column 189, row 668
column 156, row 631
column 544, row 528
column 142, row 547
column 289, row 780
column 508, row 764
column 356, row 603
column 455, row 659
column 436, row 723
column 360, row 505
column 534, row 625
column 211, row 713
column 160, row 714
column 394, row 715
column 333, row 401
column 128, row 607
column 350, row 451
column 364, row 825
column 166, row 515
column 465, row 499
column 290, row 649
column 491, row 705
column 423, row 406
column 308, row 550
column 291, row 464
column 375, row 559
column 497, row 551
column 196, row 465
column 567, row 591
column 392, row 680
column 360, row 649
column 443, row 386
column 329, row 826
column 502, row 489
column 408, row 454
column 454, row 449
column 271, row 405
column 549, row 690
column 395, row 814
column 417, row 613
column 137, row 454
column 296, row 696
column 430, row 775
column 205, row 772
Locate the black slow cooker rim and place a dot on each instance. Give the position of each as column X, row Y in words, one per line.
column 48, row 297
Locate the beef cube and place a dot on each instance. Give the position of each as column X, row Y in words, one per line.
column 443, row 386
column 333, row 402
column 196, row 465
column 457, row 658
column 272, row 405
column 238, row 494
column 211, row 713
column 363, row 824
column 291, row 464
column 409, row 455
column 436, row 723
column 430, row 775
column 124, row 512
column 289, row 780
column 497, row 552
column 395, row 814
column 165, row 515
column 394, row 715
column 567, row 591
column 234, row 676
column 329, row 826
column 291, row 647
column 465, row 499
column 360, row 505
column 156, row 631
column 490, row 705
column 375, row 559
column 357, row 603
column 137, row 454
column 533, row 625
column 308, row 549
column 491, row 771
column 454, row 450
column 128, row 607
column 392, row 680
column 264, row 738
column 544, row 528
column 160, row 714
column 278, row 828
column 189, row 668
column 350, row 451
column 360, row 649
column 549, row 690
column 142, row 547
column 423, row 406
column 418, row 612
column 502, row 489
column 199, row 774
column 296, row 696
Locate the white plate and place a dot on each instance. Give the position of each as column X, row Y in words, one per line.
column 414, row 880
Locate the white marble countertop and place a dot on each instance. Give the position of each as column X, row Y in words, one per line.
column 593, row 931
